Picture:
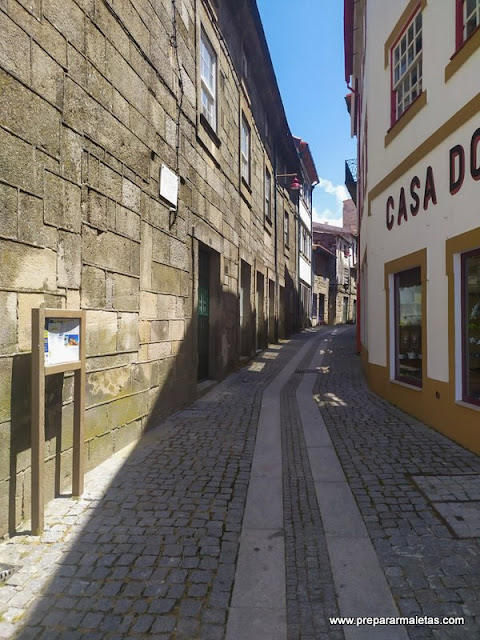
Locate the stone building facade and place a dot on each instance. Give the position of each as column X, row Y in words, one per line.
column 335, row 251
column 323, row 262
column 100, row 98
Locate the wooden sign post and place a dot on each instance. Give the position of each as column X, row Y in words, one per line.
column 58, row 345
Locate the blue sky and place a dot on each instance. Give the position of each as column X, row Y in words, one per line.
column 305, row 39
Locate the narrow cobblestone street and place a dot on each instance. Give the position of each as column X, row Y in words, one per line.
column 151, row 549
column 385, row 455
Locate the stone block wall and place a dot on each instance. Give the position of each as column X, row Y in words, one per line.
column 95, row 96
column 321, row 286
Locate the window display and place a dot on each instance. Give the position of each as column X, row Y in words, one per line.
column 471, row 326
column 408, row 322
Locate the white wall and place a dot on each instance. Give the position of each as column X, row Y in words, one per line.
column 453, row 214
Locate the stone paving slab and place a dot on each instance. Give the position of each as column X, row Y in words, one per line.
column 444, row 488
column 462, row 517
column 260, row 582
column 264, row 624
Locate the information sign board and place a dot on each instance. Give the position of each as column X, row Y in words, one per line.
column 61, row 340
column 58, row 346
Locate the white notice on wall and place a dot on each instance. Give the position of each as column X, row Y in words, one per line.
column 169, row 185
column 61, row 341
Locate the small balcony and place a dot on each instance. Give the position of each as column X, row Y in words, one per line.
column 351, row 178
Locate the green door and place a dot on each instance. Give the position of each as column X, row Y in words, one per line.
column 203, row 313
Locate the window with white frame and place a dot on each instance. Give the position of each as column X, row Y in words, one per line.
column 208, row 75
column 305, row 243
column 471, row 326
column 268, row 195
column 407, row 67
column 286, row 229
column 471, row 17
column 245, row 150
column 306, row 194
column 302, row 239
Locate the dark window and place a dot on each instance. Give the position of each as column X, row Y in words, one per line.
column 471, row 326
column 268, row 195
column 408, row 326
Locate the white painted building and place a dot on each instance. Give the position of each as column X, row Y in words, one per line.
column 305, row 271
column 413, row 69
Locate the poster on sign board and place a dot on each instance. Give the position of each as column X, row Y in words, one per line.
column 61, row 340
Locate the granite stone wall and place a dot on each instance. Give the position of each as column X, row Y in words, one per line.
column 95, row 96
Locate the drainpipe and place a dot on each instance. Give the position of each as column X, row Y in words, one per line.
column 275, row 232
column 312, row 277
column 299, row 227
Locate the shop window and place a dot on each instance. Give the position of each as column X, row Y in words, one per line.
column 406, row 61
column 471, row 326
column 208, row 75
column 408, row 326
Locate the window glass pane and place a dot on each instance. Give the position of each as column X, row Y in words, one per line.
column 410, row 56
column 471, row 17
column 471, row 26
column 471, row 4
column 418, row 44
column 471, row 315
column 245, row 151
column 208, row 71
column 267, row 193
column 410, row 34
column 407, row 71
column 408, row 321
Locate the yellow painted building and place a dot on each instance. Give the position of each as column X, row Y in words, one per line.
column 413, row 72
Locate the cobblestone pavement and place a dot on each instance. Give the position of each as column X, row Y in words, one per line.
column 311, row 598
column 150, row 550
column 388, row 457
column 154, row 554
